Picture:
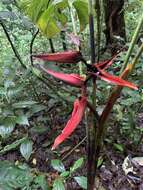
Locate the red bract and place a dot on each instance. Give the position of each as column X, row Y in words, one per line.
column 77, row 114
column 61, row 57
column 72, row 79
column 113, row 79
column 105, row 64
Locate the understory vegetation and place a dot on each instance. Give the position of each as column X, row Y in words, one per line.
column 102, row 73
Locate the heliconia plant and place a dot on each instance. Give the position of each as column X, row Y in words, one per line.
column 49, row 25
column 93, row 71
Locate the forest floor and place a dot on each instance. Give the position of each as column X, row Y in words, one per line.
column 118, row 171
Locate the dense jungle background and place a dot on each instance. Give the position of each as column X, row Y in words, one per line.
column 34, row 106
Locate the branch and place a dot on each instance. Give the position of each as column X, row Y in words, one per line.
column 134, row 39
column 11, row 43
column 31, row 46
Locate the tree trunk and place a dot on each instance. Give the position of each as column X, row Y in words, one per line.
column 115, row 24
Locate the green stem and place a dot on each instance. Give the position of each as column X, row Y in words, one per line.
column 112, row 100
column 75, row 33
column 134, row 39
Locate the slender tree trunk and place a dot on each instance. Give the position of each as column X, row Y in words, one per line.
column 115, row 23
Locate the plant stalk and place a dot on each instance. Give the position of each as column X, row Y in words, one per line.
column 12, row 46
column 91, row 132
column 111, row 101
column 98, row 17
column 51, row 45
column 75, row 33
column 133, row 42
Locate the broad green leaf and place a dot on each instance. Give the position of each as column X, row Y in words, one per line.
column 61, row 17
column 77, row 165
column 22, row 120
column 65, row 174
column 81, row 7
column 58, row 165
column 46, row 15
column 47, row 23
column 34, row 8
column 82, row 181
column 13, row 177
column 7, row 126
column 6, row 130
column 61, row 4
column 42, row 182
column 12, row 145
column 58, row 184
column 23, row 104
column 26, row 149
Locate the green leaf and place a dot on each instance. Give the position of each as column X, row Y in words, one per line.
column 46, row 15
column 26, row 149
column 7, row 126
column 65, row 174
column 77, row 165
column 13, row 177
column 100, row 161
column 47, row 24
column 82, row 181
column 6, row 130
column 42, row 182
column 12, row 145
column 22, row 120
column 2, row 91
column 34, row 8
column 34, row 109
column 119, row 147
column 58, row 165
column 58, row 184
column 23, row 104
column 81, row 7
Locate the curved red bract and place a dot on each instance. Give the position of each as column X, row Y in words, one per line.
column 61, row 57
column 76, row 117
column 115, row 80
column 72, row 79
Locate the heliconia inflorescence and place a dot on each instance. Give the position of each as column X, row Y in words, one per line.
column 95, row 70
column 114, row 79
column 72, row 79
column 76, row 117
column 61, row 57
